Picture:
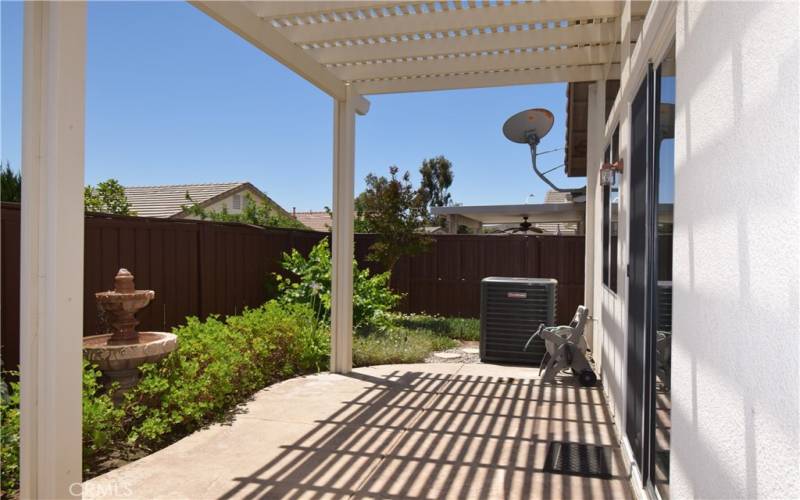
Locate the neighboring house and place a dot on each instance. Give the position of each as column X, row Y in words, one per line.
column 559, row 228
column 559, row 215
column 432, row 230
column 168, row 201
column 318, row 221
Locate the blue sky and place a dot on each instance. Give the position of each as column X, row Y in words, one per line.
column 173, row 97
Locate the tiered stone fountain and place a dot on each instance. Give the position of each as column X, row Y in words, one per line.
column 119, row 354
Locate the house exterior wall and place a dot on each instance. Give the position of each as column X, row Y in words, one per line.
column 736, row 266
column 609, row 344
column 227, row 202
column 454, row 221
column 735, row 366
column 608, row 318
column 612, row 305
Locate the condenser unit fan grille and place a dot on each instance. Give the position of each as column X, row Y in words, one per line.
column 511, row 310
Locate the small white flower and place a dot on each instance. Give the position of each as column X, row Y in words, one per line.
column 315, row 287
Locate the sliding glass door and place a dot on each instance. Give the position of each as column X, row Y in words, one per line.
column 650, row 275
column 662, row 268
column 637, row 270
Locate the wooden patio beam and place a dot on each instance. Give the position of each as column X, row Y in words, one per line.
column 497, row 79
column 245, row 23
column 574, row 56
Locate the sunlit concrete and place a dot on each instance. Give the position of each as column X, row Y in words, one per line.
column 400, row 431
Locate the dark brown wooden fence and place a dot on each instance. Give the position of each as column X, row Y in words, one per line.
column 446, row 280
column 9, row 285
column 199, row 268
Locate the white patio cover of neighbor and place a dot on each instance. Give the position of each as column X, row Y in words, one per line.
column 346, row 48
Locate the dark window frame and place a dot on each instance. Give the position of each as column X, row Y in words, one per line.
column 611, row 243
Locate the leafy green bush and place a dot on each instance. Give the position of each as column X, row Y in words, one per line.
column 101, row 424
column 101, row 418
column 308, row 281
column 454, row 328
column 9, row 438
column 107, row 197
column 219, row 364
column 10, row 183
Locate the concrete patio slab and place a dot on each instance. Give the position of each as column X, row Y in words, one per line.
column 444, row 430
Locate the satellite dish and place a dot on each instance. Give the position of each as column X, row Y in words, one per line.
column 527, row 125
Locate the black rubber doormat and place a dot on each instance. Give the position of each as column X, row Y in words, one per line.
column 578, row 459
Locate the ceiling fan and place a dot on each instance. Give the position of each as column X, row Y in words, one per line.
column 524, row 227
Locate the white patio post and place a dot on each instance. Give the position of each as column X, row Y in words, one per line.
column 51, row 271
column 344, row 133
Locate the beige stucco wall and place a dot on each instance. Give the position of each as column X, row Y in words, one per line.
column 735, row 351
column 736, row 348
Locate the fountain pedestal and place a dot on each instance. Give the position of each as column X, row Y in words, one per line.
column 119, row 354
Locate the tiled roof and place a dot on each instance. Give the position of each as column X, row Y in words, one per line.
column 166, row 201
column 318, row 221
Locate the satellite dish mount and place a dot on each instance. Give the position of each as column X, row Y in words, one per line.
column 529, row 127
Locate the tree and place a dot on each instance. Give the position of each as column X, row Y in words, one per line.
column 437, row 177
column 108, row 197
column 10, row 184
column 395, row 211
column 258, row 214
column 360, row 225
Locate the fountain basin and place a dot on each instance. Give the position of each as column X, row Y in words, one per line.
column 120, row 362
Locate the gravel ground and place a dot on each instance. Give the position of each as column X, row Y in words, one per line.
column 463, row 357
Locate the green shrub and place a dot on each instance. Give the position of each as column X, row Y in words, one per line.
column 219, row 364
column 9, row 438
column 101, row 418
column 101, row 424
column 454, row 328
column 308, row 281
